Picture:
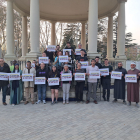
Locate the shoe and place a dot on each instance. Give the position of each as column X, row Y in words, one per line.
column 67, row 102
column 104, row 98
column 114, row 101
column 4, row 103
column 137, row 105
column 124, row 102
column 44, row 102
column 95, row 102
column 76, row 102
column 129, row 104
column 38, row 102
column 13, row 104
column 63, row 102
column 26, row 103
column 87, row 101
column 52, row 103
column 32, row 102
column 56, row 102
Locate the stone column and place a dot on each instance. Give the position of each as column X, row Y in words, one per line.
column 121, row 31
column 24, row 36
column 110, row 37
column 92, row 28
column 34, row 29
column 83, row 36
column 10, row 32
column 53, row 34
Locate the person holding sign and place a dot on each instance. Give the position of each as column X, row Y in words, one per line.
column 54, row 89
column 80, row 47
column 65, row 85
column 106, row 81
column 92, row 83
column 82, row 57
column 16, row 88
column 4, row 68
column 119, row 84
column 79, row 85
column 133, row 88
column 29, row 85
column 57, row 63
column 69, row 47
column 42, row 72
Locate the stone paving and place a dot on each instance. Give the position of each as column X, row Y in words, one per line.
column 104, row 121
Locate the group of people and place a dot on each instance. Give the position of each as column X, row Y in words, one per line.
column 54, row 69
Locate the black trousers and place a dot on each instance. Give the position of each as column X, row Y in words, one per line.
column 79, row 91
column 106, row 86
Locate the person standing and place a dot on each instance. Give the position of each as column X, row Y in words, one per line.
column 29, row 85
column 3, row 84
column 133, row 88
column 57, row 63
column 70, row 47
column 50, row 55
column 80, row 47
column 106, row 81
column 54, row 89
column 57, row 50
column 119, row 85
column 79, row 85
column 66, row 86
column 97, row 62
column 42, row 72
column 92, row 82
column 16, row 90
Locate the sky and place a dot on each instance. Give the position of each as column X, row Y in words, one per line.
column 133, row 19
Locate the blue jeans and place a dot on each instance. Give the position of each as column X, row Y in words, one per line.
column 41, row 90
column 15, row 97
column 4, row 88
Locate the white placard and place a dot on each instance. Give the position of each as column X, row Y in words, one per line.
column 104, row 71
column 53, row 81
column 66, row 50
column 4, row 76
column 27, row 77
column 79, row 76
column 40, row 80
column 44, row 60
column 77, row 51
column 94, row 74
column 14, row 76
column 63, row 58
column 66, row 77
column 84, row 64
column 116, row 75
column 32, row 65
column 131, row 78
column 51, row 48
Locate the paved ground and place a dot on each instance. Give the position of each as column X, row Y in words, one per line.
column 105, row 121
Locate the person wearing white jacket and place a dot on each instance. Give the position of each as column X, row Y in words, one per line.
column 29, row 86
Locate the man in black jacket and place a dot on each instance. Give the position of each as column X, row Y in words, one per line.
column 3, row 84
column 42, row 72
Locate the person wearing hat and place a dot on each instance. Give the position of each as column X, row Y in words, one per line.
column 119, row 85
column 16, row 88
column 133, row 88
column 66, row 85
